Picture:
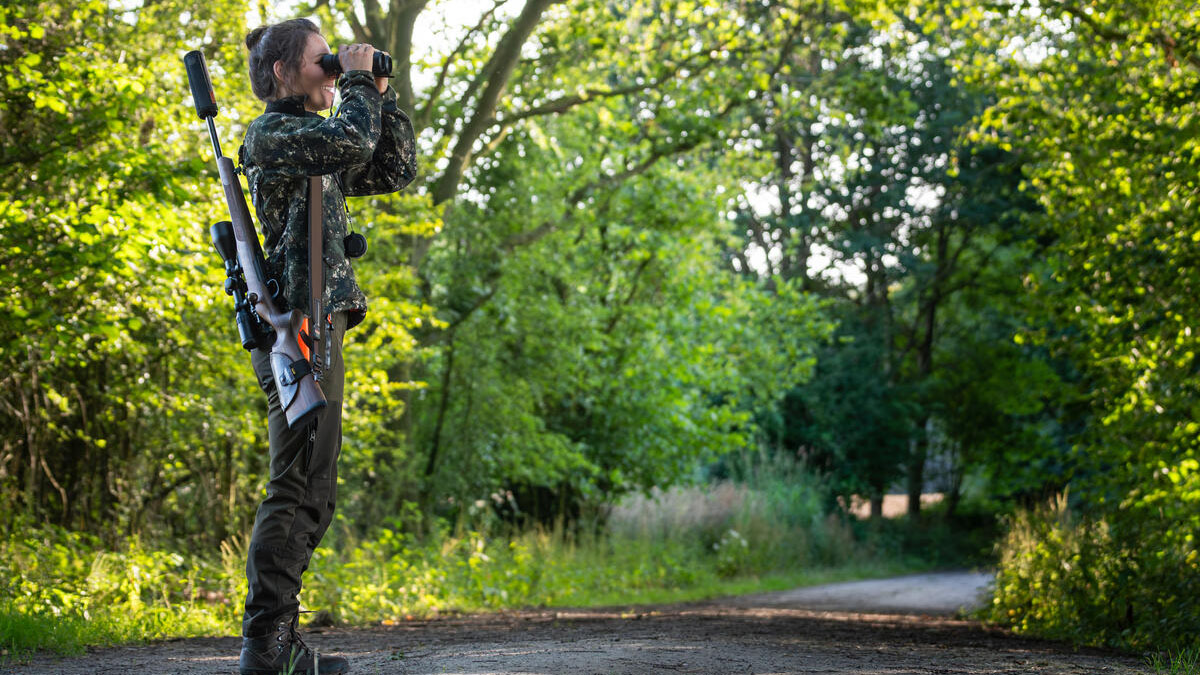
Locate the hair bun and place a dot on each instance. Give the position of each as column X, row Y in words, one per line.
column 255, row 35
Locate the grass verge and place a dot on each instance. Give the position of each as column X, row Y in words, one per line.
column 62, row 591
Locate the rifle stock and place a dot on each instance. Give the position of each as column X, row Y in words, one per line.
column 299, row 394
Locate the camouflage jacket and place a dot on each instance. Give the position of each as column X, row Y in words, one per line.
column 367, row 148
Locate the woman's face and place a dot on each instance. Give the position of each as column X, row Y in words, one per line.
column 311, row 78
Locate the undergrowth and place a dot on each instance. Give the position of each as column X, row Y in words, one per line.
column 61, row 591
column 1180, row 662
column 1123, row 580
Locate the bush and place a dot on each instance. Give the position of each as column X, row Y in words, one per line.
column 1123, row 580
column 60, row 591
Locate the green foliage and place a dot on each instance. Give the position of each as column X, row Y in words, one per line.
column 851, row 421
column 1118, row 581
column 925, row 230
column 604, row 354
column 125, row 411
column 964, row 539
column 1182, row 662
column 563, row 312
column 771, row 514
column 129, row 408
column 1100, row 101
column 63, row 590
column 375, row 450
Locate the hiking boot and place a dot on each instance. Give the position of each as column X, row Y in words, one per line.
column 282, row 652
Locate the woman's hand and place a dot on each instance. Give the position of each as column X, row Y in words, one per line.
column 357, row 57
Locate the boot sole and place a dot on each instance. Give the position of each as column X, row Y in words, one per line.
column 281, row 671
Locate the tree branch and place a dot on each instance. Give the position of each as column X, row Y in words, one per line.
column 499, row 70
column 565, row 103
column 616, row 316
column 581, row 193
column 425, row 115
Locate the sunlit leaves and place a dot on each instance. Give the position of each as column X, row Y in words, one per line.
column 1100, row 100
column 117, row 379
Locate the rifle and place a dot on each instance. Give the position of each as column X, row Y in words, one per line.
column 237, row 242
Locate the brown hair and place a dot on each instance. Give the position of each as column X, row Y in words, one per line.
column 284, row 41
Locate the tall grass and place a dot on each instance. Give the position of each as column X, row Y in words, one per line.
column 771, row 517
column 1180, row 662
column 61, row 591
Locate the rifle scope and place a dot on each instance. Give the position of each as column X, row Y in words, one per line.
column 251, row 330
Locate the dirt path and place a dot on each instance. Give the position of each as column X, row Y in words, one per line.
column 940, row 594
column 783, row 632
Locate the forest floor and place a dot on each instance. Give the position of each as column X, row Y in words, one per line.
column 882, row 627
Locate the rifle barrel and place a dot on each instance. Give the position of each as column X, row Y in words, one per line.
column 212, row 133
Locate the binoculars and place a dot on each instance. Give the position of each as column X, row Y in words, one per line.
column 381, row 65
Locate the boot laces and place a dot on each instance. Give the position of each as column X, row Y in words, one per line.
column 294, row 636
column 294, row 633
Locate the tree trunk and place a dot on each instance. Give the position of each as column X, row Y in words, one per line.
column 955, row 494
column 877, row 506
column 443, row 403
column 918, row 448
column 920, row 444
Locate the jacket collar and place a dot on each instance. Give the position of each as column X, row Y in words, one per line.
column 290, row 105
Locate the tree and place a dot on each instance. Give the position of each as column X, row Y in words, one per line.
column 1100, row 97
column 872, row 173
column 116, row 402
column 505, row 120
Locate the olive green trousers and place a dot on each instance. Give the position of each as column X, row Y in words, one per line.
column 301, row 492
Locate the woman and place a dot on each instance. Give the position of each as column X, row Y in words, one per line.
column 367, row 148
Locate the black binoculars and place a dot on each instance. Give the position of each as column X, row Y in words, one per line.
column 381, row 64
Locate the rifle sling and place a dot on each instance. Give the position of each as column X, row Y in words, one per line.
column 316, row 270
